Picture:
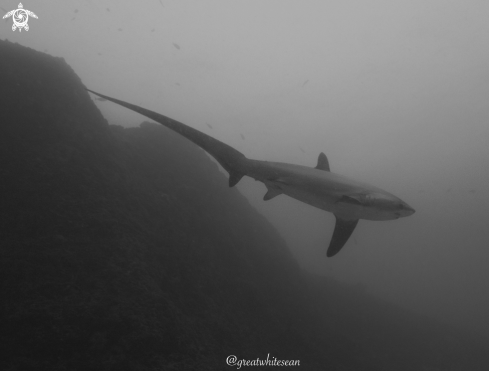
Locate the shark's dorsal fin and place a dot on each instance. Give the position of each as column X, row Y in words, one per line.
column 342, row 232
column 272, row 192
column 323, row 163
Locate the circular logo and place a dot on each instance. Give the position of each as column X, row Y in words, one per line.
column 20, row 17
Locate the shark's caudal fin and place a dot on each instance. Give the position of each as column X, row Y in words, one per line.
column 229, row 158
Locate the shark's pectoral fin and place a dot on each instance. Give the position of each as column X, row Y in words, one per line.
column 234, row 178
column 323, row 163
column 273, row 191
column 342, row 232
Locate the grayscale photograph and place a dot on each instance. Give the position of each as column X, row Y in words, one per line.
column 244, row 185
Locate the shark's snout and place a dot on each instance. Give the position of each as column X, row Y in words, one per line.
column 406, row 210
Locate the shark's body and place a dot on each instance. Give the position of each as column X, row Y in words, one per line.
column 347, row 199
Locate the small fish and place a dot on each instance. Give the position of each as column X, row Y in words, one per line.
column 99, row 53
column 177, row 83
column 176, row 46
column 76, row 10
column 242, row 136
column 152, row 30
column 305, row 82
column 107, row 9
column 302, row 150
column 161, row 3
column 209, row 125
column 101, row 99
column 119, row 29
column 472, row 191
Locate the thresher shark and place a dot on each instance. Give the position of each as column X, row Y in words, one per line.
column 347, row 199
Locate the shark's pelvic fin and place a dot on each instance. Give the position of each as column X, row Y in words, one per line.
column 342, row 232
column 272, row 192
column 323, row 163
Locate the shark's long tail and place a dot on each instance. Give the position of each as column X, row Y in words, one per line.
column 233, row 161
